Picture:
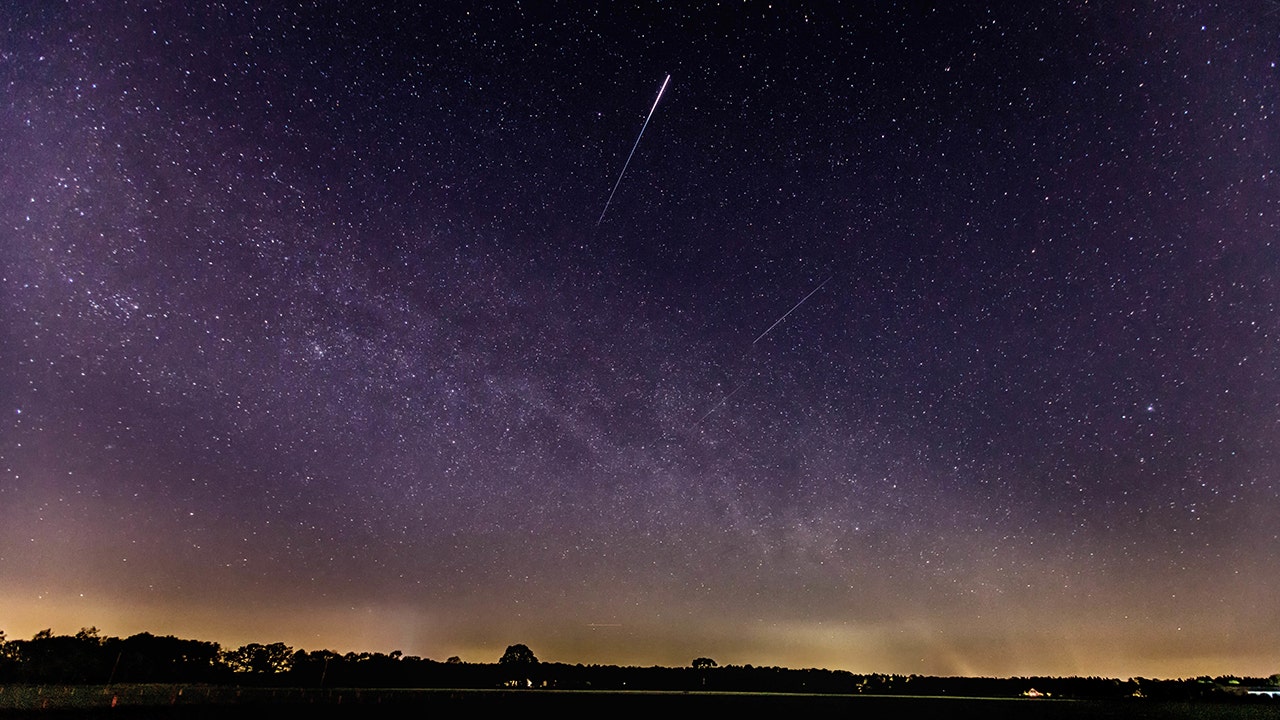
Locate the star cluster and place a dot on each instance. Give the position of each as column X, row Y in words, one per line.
column 926, row 339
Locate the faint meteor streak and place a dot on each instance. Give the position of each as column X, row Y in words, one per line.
column 743, row 384
column 633, row 150
column 716, row 407
column 793, row 309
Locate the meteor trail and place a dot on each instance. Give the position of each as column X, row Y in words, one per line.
column 633, row 150
column 743, row 384
column 793, row 309
column 716, row 407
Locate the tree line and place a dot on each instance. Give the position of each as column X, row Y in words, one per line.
column 90, row 658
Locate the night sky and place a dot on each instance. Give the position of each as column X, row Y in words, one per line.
column 915, row 339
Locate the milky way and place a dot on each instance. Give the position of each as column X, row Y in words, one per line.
column 309, row 333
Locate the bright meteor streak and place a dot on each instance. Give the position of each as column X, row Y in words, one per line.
column 633, row 150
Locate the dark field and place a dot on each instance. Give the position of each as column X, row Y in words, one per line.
column 148, row 701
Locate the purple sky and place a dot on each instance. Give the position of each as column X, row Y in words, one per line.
column 308, row 331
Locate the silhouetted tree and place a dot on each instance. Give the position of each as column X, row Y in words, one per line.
column 454, row 660
column 518, row 665
column 704, row 662
column 316, row 668
column 258, row 658
column 149, row 658
column 8, row 663
column 49, row 658
column 519, row 655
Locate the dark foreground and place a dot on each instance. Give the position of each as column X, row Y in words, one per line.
column 172, row 701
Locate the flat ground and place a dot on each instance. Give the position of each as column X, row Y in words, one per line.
column 195, row 701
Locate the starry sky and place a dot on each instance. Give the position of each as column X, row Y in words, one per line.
column 932, row 338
